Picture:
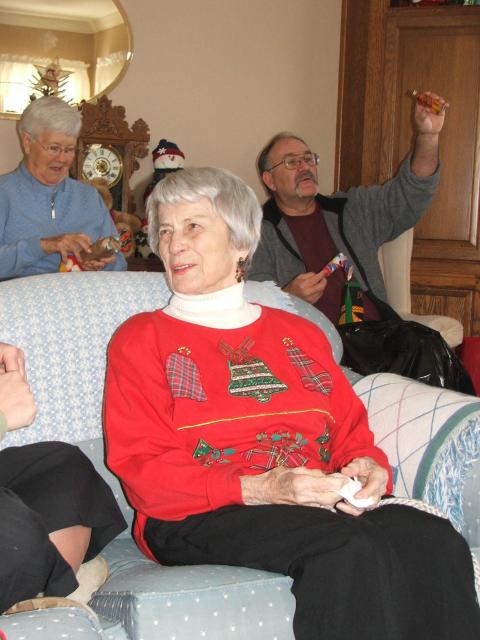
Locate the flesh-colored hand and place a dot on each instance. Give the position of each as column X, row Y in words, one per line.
column 299, row 486
column 308, row 286
column 11, row 358
column 97, row 265
column 427, row 120
column 16, row 400
column 72, row 243
column 373, row 479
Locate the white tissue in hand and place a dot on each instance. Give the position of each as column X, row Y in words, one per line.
column 348, row 492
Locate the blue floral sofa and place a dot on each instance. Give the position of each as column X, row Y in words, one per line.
column 64, row 322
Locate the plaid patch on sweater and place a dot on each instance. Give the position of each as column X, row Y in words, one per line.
column 321, row 381
column 183, row 378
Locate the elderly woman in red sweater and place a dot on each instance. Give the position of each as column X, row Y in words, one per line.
column 235, row 435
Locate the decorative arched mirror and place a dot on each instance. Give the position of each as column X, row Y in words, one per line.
column 77, row 49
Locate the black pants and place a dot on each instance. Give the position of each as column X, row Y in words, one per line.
column 394, row 573
column 45, row 487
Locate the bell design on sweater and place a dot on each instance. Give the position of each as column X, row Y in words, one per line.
column 250, row 376
column 312, row 379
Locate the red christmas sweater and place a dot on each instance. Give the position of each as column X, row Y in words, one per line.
column 189, row 409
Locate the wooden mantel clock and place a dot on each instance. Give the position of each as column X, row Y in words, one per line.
column 108, row 148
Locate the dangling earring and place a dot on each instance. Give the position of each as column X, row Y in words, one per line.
column 240, row 271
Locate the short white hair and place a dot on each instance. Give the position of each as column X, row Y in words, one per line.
column 50, row 113
column 231, row 198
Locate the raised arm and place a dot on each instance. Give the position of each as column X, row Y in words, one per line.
column 428, row 125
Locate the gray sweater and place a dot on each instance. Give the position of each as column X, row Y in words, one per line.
column 359, row 221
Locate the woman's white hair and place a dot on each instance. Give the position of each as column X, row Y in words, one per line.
column 50, row 113
column 233, row 200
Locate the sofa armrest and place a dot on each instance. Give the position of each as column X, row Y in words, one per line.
column 431, row 436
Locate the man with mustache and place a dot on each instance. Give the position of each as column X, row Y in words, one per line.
column 303, row 230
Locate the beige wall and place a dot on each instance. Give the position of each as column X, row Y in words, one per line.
column 219, row 77
column 111, row 40
column 28, row 41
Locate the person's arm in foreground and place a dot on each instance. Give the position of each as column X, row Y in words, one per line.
column 17, row 405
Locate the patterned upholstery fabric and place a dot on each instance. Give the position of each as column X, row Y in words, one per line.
column 432, row 439
column 63, row 322
column 193, row 602
column 471, row 504
column 60, row 624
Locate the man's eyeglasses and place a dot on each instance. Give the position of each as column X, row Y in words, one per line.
column 293, row 162
column 56, row 149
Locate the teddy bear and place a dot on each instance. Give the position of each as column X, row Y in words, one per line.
column 167, row 157
column 127, row 224
column 101, row 248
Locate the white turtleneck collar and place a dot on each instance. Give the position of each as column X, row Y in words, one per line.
column 224, row 309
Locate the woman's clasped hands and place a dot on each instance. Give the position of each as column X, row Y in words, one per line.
column 313, row 488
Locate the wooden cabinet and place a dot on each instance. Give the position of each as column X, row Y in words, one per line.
column 386, row 51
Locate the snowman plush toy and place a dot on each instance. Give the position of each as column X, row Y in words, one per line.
column 167, row 157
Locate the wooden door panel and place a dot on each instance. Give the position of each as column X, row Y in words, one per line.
column 428, row 53
column 453, row 303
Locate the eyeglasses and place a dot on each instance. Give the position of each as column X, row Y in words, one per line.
column 293, row 162
column 56, row 149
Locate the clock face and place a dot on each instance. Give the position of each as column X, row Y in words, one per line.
column 102, row 162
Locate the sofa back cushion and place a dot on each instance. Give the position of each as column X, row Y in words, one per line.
column 64, row 322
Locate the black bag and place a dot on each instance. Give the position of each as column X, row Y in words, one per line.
column 404, row 347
